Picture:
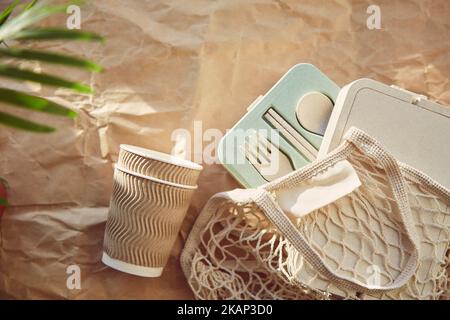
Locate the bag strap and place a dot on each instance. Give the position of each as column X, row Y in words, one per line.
column 267, row 202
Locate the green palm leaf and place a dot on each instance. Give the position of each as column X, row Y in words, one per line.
column 8, row 11
column 30, row 5
column 26, row 101
column 19, row 123
column 20, row 28
column 27, row 75
column 56, row 34
column 50, row 58
column 33, row 15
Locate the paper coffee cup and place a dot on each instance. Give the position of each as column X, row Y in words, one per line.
column 145, row 217
column 158, row 165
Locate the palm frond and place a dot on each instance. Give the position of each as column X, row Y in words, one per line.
column 46, row 79
column 4, row 16
column 55, row 34
column 18, row 123
column 27, row 18
column 30, row 5
column 50, row 57
column 26, row 101
column 21, row 28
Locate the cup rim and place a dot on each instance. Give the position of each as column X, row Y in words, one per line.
column 173, row 184
column 163, row 157
column 148, row 272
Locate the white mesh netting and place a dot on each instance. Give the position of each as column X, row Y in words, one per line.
column 235, row 252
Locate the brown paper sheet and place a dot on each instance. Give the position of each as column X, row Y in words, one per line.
column 168, row 64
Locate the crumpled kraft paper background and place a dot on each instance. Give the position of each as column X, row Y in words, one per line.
column 168, row 64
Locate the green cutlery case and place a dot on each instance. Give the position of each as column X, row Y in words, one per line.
column 282, row 98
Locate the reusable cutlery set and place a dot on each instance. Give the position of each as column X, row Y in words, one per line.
column 290, row 119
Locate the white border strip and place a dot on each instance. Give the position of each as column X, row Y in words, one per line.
column 173, row 184
column 131, row 268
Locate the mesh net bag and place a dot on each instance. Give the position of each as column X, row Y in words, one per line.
column 387, row 239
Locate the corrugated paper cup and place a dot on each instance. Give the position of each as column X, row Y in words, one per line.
column 158, row 165
column 144, row 219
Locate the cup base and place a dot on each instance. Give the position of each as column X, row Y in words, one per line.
column 133, row 269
